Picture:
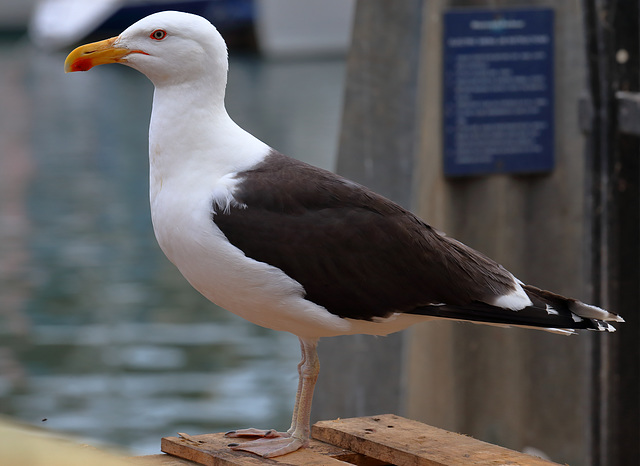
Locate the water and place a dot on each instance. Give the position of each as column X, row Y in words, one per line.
column 99, row 334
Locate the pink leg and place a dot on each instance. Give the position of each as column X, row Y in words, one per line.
column 303, row 360
column 275, row 443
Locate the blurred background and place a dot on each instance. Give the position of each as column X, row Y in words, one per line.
column 100, row 336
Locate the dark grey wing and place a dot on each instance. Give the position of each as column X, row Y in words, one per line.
column 355, row 253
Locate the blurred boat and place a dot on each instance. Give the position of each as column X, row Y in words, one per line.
column 57, row 24
column 277, row 28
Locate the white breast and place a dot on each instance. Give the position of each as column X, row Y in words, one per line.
column 192, row 165
column 253, row 290
column 183, row 225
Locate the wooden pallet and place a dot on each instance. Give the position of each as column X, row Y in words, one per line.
column 366, row 441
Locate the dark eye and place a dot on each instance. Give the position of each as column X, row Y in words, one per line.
column 158, row 34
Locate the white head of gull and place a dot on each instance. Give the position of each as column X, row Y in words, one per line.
column 289, row 246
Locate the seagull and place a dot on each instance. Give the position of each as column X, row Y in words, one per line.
column 289, row 246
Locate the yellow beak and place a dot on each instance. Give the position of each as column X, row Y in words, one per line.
column 87, row 56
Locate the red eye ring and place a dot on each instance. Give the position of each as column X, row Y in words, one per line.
column 158, row 34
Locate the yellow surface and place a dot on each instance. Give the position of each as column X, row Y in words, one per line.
column 24, row 445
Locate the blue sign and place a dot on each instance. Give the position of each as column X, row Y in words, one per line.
column 498, row 91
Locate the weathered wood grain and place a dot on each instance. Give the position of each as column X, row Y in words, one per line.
column 213, row 450
column 404, row 442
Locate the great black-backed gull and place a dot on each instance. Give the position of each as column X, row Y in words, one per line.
column 289, row 246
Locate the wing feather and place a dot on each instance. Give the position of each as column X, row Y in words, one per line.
column 356, row 253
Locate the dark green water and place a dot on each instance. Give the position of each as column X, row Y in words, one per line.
column 99, row 334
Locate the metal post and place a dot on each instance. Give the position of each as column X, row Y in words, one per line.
column 612, row 43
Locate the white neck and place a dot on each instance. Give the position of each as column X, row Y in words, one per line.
column 191, row 134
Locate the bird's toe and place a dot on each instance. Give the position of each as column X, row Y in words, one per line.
column 271, row 447
column 255, row 433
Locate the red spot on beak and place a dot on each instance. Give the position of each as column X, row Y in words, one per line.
column 81, row 64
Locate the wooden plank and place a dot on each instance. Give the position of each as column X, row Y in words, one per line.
column 403, row 442
column 161, row 460
column 213, row 450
